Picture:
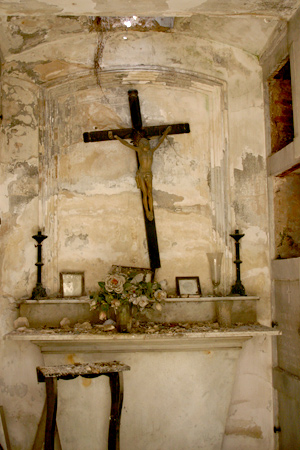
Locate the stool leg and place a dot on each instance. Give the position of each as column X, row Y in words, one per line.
column 116, row 388
column 51, row 393
column 40, row 434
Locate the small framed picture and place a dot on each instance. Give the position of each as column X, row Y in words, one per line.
column 188, row 287
column 72, row 284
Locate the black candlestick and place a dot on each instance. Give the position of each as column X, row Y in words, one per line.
column 237, row 288
column 39, row 291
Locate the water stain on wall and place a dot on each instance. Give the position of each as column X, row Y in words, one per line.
column 16, row 390
column 249, row 203
column 244, row 428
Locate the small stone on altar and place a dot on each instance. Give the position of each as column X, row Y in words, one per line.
column 65, row 323
column 152, row 330
column 21, row 322
column 85, row 326
column 108, row 327
column 109, row 322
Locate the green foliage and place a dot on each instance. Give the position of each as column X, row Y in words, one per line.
column 134, row 288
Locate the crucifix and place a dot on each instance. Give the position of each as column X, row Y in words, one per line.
column 140, row 136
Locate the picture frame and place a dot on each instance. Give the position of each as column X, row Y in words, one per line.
column 188, row 287
column 71, row 284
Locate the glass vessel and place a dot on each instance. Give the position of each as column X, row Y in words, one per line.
column 215, row 261
column 124, row 318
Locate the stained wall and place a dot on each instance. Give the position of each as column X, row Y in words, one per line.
column 84, row 197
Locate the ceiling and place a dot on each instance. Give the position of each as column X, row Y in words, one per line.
column 269, row 8
column 246, row 24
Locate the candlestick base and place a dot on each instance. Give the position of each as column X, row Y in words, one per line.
column 238, row 289
column 38, row 292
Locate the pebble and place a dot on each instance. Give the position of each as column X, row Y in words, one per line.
column 109, row 322
column 65, row 323
column 108, row 327
column 21, row 322
column 85, row 326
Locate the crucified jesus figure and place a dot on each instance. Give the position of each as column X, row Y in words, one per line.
column 144, row 172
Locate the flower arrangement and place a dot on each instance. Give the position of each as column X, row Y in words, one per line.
column 133, row 288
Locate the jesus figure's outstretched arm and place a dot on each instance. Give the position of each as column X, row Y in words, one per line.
column 162, row 138
column 115, row 136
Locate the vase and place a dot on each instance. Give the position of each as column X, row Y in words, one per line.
column 215, row 261
column 124, row 318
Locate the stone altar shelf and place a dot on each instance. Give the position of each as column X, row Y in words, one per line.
column 103, row 342
column 177, row 394
column 50, row 312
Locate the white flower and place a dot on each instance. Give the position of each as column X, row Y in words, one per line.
column 148, row 277
column 160, row 295
column 143, row 301
column 115, row 303
column 135, row 300
column 102, row 315
column 138, row 278
column 114, row 283
column 164, row 284
column 93, row 304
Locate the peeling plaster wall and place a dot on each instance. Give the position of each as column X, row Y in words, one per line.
column 49, row 178
column 98, row 207
column 19, row 181
column 237, row 159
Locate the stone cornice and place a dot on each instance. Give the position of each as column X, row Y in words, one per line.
column 208, row 339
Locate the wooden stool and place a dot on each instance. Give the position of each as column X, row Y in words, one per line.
column 114, row 370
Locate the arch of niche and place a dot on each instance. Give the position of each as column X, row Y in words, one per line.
column 60, row 97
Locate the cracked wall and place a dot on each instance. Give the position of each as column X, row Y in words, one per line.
column 84, row 197
column 97, row 194
column 65, row 156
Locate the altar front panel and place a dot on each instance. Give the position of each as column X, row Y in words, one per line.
column 172, row 400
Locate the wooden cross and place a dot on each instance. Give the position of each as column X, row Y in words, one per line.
column 136, row 134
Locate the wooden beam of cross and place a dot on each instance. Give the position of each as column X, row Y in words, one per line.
column 139, row 136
